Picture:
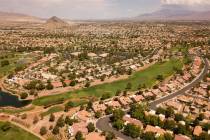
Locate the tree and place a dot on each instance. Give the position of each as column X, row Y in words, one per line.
column 169, row 124
column 117, row 115
column 68, row 105
column 140, row 87
column 118, row 92
column 89, row 105
column 169, row 112
column 36, row 119
column 181, row 129
column 179, row 117
column 109, row 110
column 196, row 122
column 178, row 70
column 160, row 110
column 203, row 136
column 55, row 130
column 168, row 136
column 129, row 86
column 79, row 136
column 73, row 83
column 69, row 121
column 40, row 85
column 98, row 114
column 82, row 107
column 208, row 88
column 149, row 136
column 125, row 93
column 103, row 77
column 105, row 96
column 130, row 71
column 137, row 111
column 43, row 130
column 87, row 84
column 153, row 120
column 90, row 127
column 49, row 85
column 132, row 130
column 64, row 84
column 161, row 137
column 160, row 78
column 23, row 95
column 118, row 124
column 110, row 136
column 60, row 122
column 200, row 117
column 4, row 63
column 52, row 117
column 206, row 126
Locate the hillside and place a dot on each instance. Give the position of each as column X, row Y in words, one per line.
column 16, row 17
column 55, row 22
column 175, row 12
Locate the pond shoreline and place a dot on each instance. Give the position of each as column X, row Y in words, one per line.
column 9, row 100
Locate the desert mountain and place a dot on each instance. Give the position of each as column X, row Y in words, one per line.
column 16, row 17
column 55, row 22
column 175, row 12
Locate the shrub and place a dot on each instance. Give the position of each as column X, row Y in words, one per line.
column 43, row 130
column 23, row 95
column 52, row 118
column 91, row 127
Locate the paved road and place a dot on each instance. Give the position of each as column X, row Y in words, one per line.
column 104, row 125
column 153, row 105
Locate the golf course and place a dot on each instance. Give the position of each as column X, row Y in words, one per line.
column 9, row 131
column 146, row 77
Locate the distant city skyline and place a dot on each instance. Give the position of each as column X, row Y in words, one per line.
column 94, row 9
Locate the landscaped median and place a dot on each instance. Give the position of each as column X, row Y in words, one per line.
column 146, row 77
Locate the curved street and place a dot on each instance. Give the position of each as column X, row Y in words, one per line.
column 153, row 105
column 104, row 125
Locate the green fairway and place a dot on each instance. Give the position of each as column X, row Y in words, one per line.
column 9, row 131
column 147, row 77
column 53, row 109
column 15, row 60
column 16, row 111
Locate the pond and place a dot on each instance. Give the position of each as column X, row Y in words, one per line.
column 9, row 100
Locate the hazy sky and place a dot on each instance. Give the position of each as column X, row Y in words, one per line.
column 93, row 9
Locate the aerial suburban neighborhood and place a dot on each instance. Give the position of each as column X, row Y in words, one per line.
column 139, row 78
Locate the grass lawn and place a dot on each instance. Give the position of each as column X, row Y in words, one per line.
column 13, row 58
column 147, row 77
column 14, row 133
column 16, row 111
column 53, row 109
column 12, row 64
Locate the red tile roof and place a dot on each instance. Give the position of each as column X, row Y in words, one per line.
column 181, row 137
